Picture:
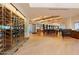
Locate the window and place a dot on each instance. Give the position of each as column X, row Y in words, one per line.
column 62, row 26
column 76, row 26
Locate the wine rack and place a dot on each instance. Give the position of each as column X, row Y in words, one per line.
column 11, row 29
column 1, row 29
column 8, row 36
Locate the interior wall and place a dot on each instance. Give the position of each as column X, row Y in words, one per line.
column 70, row 21
column 74, row 20
column 26, row 27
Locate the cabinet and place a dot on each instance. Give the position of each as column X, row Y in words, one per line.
column 1, row 29
column 11, row 29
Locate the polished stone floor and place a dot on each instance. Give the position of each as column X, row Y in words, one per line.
column 40, row 44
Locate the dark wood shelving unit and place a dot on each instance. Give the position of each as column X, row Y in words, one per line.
column 11, row 29
column 2, row 35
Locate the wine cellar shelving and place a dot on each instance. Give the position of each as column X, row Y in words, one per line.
column 11, row 29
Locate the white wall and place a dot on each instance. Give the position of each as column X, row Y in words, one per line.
column 27, row 27
column 70, row 21
column 74, row 19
